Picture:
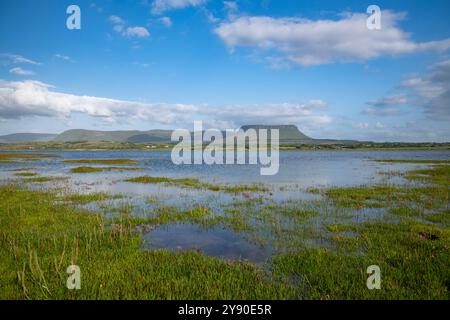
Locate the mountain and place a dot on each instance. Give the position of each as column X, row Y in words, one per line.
column 289, row 135
column 156, row 136
column 27, row 137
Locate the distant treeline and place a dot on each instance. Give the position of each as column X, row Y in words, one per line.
column 108, row 145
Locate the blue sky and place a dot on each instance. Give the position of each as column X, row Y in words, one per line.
column 164, row 63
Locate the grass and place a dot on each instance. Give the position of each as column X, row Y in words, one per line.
column 413, row 266
column 415, row 161
column 25, row 174
column 322, row 247
column 90, row 197
column 102, row 161
column 24, row 156
column 197, row 184
column 22, row 169
column 40, row 239
column 85, row 169
column 44, row 179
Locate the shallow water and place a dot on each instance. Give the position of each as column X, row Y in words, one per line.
column 299, row 170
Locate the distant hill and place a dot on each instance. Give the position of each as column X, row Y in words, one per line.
column 156, row 136
column 27, row 137
column 289, row 135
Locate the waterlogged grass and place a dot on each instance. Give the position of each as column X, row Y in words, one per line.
column 412, row 250
column 22, row 169
column 438, row 174
column 167, row 214
column 101, row 169
column 22, row 156
column 197, row 184
column 39, row 239
column 45, row 179
column 322, row 250
column 415, row 161
column 414, row 259
column 102, row 161
column 25, row 174
column 90, row 197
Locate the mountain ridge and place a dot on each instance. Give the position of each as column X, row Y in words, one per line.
column 289, row 135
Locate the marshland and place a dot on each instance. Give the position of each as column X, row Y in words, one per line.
column 140, row 227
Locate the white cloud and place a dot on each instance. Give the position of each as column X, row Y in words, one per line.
column 230, row 5
column 166, row 21
column 386, row 106
column 116, row 19
column 304, row 114
column 21, row 72
column 33, row 98
column 139, row 32
column 390, row 100
column 379, row 125
column 161, row 6
column 433, row 90
column 63, row 57
column 119, row 27
column 314, row 42
column 382, row 112
column 15, row 58
column 362, row 125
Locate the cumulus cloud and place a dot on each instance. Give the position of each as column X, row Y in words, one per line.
column 166, row 21
column 139, row 32
column 313, row 42
column 116, row 19
column 307, row 114
column 34, row 98
column 130, row 32
column 21, row 72
column 161, row 6
column 433, row 90
column 395, row 99
column 386, row 106
column 29, row 98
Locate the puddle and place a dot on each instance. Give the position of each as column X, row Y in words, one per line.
column 215, row 242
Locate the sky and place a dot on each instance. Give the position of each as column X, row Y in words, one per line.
column 148, row 64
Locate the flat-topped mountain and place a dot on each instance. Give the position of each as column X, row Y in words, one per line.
column 288, row 133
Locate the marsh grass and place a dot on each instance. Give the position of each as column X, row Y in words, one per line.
column 89, row 197
column 102, row 161
column 25, row 174
column 45, row 179
column 197, row 184
column 39, row 239
column 24, row 156
column 322, row 247
column 102, row 169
